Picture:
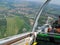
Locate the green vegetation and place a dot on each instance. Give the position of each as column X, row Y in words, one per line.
column 12, row 26
column 42, row 20
column 2, row 27
column 12, row 22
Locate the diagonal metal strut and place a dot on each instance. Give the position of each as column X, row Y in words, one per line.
column 38, row 15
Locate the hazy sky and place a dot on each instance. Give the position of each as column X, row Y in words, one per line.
column 52, row 1
column 56, row 2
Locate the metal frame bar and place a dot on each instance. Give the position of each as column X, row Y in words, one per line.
column 39, row 14
column 15, row 39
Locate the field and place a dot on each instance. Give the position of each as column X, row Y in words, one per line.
column 15, row 25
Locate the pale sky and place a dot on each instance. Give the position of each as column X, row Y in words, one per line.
column 56, row 2
column 52, row 1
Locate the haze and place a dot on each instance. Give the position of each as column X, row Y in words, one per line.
column 57, row 2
